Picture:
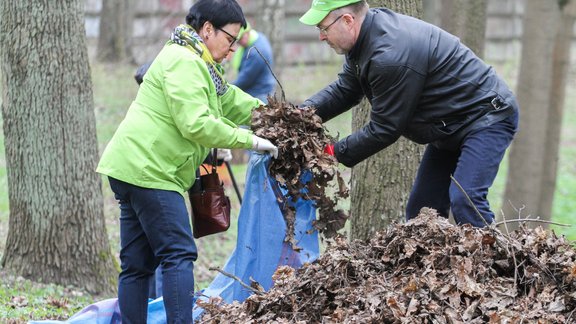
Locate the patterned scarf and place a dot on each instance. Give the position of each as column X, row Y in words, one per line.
column 185, row 35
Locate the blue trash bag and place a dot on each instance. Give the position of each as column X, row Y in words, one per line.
column 260, row 248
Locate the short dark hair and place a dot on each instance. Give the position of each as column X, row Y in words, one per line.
column 217, row 12
column 357, row 8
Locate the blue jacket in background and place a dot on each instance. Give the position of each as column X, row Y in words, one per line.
column 254, row 77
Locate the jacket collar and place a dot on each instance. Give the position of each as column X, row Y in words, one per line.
column 364, row 30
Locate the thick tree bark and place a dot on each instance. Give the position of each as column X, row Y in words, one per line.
column 431, row 11
column 56, row 232
column 381, row 184
column 116, row 31
column 467, row 20
column 527, row 156
column 270, row 19
column 561, row 64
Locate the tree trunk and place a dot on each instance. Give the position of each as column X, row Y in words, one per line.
column 561, row 64
column 527, row 155
column 431, row 11
column 381, row 184
column 467, row 20
column 57, row 232
column 270, row 21
column 116, row 31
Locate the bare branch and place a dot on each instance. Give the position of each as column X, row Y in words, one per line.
column 469, row 200
column 523, row 220
column 257, row 292
column 269, row 68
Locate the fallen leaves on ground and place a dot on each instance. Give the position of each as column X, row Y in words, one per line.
column 424, row 271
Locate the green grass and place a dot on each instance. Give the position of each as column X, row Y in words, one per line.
column 564, row 207
column 22, row 300
column 114, row 89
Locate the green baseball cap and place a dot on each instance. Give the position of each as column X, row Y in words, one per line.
column 321, row 8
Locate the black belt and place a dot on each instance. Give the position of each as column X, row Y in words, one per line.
column 497, row 111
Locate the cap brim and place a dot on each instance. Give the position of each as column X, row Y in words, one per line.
column 313, row 17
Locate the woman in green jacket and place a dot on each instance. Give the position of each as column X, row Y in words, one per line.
column 183, row 108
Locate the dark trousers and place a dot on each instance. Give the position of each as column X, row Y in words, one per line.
column 154, row 229
column 474, row 167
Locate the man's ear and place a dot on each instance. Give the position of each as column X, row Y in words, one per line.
column 348, row 19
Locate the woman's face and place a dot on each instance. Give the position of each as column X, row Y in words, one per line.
column 220, row 41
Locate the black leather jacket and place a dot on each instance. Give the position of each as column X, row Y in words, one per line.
column 421, row 82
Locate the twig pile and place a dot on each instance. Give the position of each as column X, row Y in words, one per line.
column 424, row 271
column 301, row 138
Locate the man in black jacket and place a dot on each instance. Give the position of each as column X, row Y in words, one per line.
column 425, row 85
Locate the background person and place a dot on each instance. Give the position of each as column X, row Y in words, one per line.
column 252, row 74
column 423, row 84
column 182, row 109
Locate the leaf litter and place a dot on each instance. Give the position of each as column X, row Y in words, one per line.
column 424, row 271
column 302, row 168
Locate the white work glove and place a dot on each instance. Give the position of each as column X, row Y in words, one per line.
column 263, row 145
column 224, row 154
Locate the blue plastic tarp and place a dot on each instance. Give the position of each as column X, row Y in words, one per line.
column 260, row 249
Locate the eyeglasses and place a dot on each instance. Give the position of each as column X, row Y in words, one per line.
column 324, row 30
column 234, row 39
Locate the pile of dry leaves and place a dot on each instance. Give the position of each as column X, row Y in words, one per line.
column 424, row 271
column 300, row 137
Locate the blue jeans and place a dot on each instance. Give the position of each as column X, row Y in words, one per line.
column 155, row 284
column 474, row 167
column 154, row 229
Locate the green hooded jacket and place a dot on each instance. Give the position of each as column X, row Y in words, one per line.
column 174, row 121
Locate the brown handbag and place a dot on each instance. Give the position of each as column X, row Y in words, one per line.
column 210, row 205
